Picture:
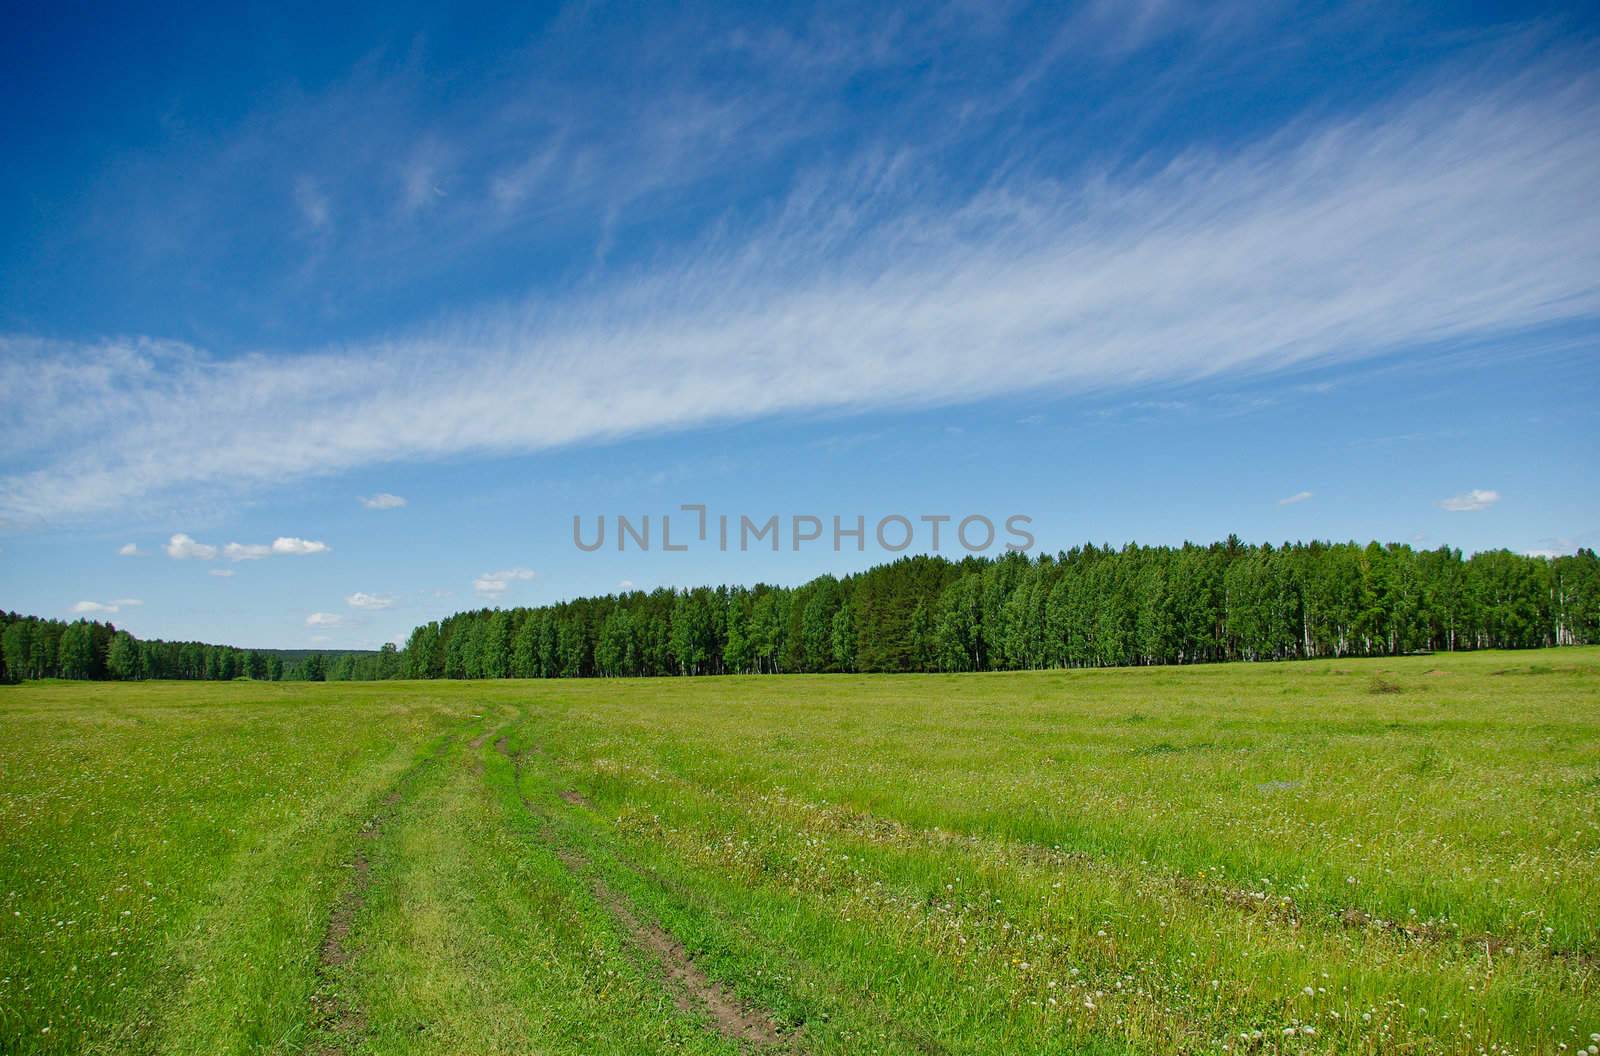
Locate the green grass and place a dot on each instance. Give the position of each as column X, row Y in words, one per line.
column 1355, row 856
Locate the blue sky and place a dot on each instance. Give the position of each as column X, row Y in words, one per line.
column 1138, row 271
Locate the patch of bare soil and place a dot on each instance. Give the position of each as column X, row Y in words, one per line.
column 576, row 798
column 693, row 990
column 328, row 1009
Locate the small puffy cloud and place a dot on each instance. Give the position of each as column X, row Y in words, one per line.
column 130, row 550
column 362, row 600
column 221, row 573
column 287, row 544
column 85, row 608
column 626, row 584
column 182, row 547
column 1476, row 499
column 381, row 501
column 323, row 619
column 492, row 583
column 1299, row 496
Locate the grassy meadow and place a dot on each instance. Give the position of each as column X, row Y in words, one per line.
column 1363, row 856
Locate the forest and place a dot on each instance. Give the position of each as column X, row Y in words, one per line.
column 31, row 647
column 1088, row 607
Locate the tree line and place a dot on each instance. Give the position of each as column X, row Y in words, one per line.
column 1092, row 606
column 31, row 647
column 1088, row 607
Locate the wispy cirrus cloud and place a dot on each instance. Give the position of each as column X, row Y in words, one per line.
column 381, row 501
column 1295, row 499
column 1461, row 213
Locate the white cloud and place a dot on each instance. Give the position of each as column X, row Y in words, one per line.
column 1299, row 496
column 381, row 501
column 1476, row 499
column 130, row 550
column 493, row 583
column 626, row 584
column 290, row 545
column 362, row 600
column 323, row 619
column 84, row 608
column 182, row 547
column 221, row 573
column 1458, row 216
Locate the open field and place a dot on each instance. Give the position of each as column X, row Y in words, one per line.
column 1346, row 856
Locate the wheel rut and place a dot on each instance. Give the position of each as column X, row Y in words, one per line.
column 692, row 990
column 333, row 1016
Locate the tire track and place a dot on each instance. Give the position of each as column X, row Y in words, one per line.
column 332, row 1015
column 692, row 990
